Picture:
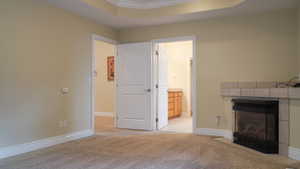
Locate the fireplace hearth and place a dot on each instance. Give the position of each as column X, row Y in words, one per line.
column 256, row 124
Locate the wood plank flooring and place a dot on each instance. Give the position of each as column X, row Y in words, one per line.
column 104, row 124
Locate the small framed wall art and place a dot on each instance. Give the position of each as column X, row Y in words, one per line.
column 110, row 68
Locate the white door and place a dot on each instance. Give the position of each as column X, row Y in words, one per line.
column 162, row 100
column 134, row 92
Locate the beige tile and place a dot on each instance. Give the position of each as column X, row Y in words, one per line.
column 225, row 92
column 279, row 92
column 247, row 92
column 229, row 85
column 283, row 149
column 266, row 84
column 235, row 92
column 262, row 92
column 294, row 93
column 284, row 132
column 283, row 109
column 230, row 92
column 282, row 84
column 247, row 85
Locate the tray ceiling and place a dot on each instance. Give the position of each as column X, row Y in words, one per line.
column 105, row 13
column 146, row 4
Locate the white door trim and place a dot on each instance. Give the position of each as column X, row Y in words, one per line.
column 95, row 37
column 194, row 73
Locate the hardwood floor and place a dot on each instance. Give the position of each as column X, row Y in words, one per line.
column 148, row 151
column 104, row 124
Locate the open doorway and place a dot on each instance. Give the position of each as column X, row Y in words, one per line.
column 139, row 72
column 104, row 52
column 174, row 83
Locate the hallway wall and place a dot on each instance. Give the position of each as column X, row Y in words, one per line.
column 105, row 90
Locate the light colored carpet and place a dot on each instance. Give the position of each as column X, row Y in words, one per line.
column 148, row 151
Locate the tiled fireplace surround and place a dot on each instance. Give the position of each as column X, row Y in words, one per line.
column 266, row 90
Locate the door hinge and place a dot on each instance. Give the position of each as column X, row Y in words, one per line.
column 156, row 86
column 156, row 120
column 157, row 53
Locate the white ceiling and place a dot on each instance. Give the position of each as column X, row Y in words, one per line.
column 103, row 17
column 146, row 4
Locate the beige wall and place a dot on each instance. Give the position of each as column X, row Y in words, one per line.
column 42, row 49
column 105, row 90
column 295, row 104
column 179, row 72
column 261, row 47
column 298, row 20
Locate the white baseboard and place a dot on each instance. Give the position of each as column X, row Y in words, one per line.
column 39, row 144
column 215, row 132
column 294, row 153
column 108, row 114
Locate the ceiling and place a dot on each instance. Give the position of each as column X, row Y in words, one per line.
column 111, row 14
column 146, row 4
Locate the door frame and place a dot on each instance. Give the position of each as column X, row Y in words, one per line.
column 193, row 75
column 95, row 37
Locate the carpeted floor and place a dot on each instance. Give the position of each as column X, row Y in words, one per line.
column 147, row 151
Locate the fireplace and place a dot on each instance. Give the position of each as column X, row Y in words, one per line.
column 256, row 124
